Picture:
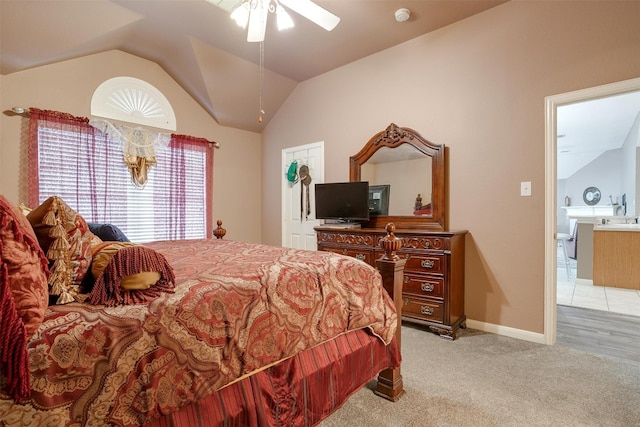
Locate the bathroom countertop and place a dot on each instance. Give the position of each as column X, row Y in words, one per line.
column 617, row 227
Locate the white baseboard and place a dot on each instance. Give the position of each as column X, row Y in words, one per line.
column 506, row 331
column 584, row 282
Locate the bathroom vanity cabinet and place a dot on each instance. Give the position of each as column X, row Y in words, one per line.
column 616, row 255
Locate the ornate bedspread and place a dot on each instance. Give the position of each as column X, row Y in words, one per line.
column 237, row 308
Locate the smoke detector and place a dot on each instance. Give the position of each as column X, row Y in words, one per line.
column 402, row 14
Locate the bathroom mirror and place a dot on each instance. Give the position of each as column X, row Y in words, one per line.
column 413, row 169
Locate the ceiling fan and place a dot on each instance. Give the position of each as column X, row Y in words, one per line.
column 255, row 12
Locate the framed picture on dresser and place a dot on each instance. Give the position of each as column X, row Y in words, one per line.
column 379, row 199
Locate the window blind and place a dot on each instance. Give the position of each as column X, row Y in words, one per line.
column 87, row 171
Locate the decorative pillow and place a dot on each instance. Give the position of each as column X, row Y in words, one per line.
column 108, row 232
column 23, row 296
column 127, row 273
column 24, row 209
column 26, row 265
column 66, row 239
column 137, row 281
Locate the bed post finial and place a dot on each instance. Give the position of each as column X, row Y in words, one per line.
column 390, row 243
column 219, row 232
column 391, row 268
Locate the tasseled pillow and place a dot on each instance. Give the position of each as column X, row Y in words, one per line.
column 13, row 343
column 124, row 279
column 23, row 296
column 65, row 237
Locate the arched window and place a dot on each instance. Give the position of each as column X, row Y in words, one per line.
column 133, row 100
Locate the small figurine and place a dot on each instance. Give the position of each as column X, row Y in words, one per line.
column 420, row 209
column 418, row 204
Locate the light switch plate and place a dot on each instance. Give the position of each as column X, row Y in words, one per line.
column 525, row 188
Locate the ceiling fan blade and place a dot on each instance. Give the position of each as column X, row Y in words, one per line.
column 257, row 21
column 313, row 12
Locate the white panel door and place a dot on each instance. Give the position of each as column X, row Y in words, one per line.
column 298, row 199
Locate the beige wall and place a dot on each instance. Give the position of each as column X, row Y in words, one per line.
column 478, row 87
column 68, row 87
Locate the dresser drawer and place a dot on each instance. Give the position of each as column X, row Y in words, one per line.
column 432, row 311
column 433, row 285
column 350, row 239
column 423, row 285
column 424, row 263
column 357, row 253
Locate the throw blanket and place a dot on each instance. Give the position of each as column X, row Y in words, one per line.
column 237, row 308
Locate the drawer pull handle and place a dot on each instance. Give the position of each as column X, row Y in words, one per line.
column 344, row 252
column 427, row 263
column 425, row 309
column 361, row 257
column 427, row 287
column 406, row 279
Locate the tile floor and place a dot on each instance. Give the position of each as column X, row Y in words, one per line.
column 616, row 300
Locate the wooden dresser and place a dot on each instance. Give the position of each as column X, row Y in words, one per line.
column 433, row 290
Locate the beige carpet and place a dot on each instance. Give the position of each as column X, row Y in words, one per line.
column 483, row 379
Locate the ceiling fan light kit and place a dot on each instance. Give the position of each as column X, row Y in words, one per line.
column 284, row 20
column 254, row 14
column 241, row 14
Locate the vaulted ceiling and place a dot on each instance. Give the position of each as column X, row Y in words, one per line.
column 587, row 129
column 198, row 44
column 201, row 47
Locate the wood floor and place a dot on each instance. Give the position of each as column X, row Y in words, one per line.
column 599, row 332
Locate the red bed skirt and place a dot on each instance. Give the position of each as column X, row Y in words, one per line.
column 300, row 391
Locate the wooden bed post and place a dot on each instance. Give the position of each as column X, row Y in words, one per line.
column 219, row 232
column 391, row 268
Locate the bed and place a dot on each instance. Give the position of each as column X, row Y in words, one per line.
column 247, row 335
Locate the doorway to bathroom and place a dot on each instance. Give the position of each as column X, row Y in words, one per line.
column 572, row 163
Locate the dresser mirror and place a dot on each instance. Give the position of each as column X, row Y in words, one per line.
column 406, row 174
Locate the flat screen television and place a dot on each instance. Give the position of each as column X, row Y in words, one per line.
column 342, row 201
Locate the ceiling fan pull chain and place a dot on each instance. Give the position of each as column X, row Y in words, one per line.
column 261, row 77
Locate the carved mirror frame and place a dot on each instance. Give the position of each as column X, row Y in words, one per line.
column 392, row 137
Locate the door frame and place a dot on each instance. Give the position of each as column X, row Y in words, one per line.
column 551, row 184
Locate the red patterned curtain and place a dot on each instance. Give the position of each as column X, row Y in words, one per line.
column 68, row 159
column 186, row 186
